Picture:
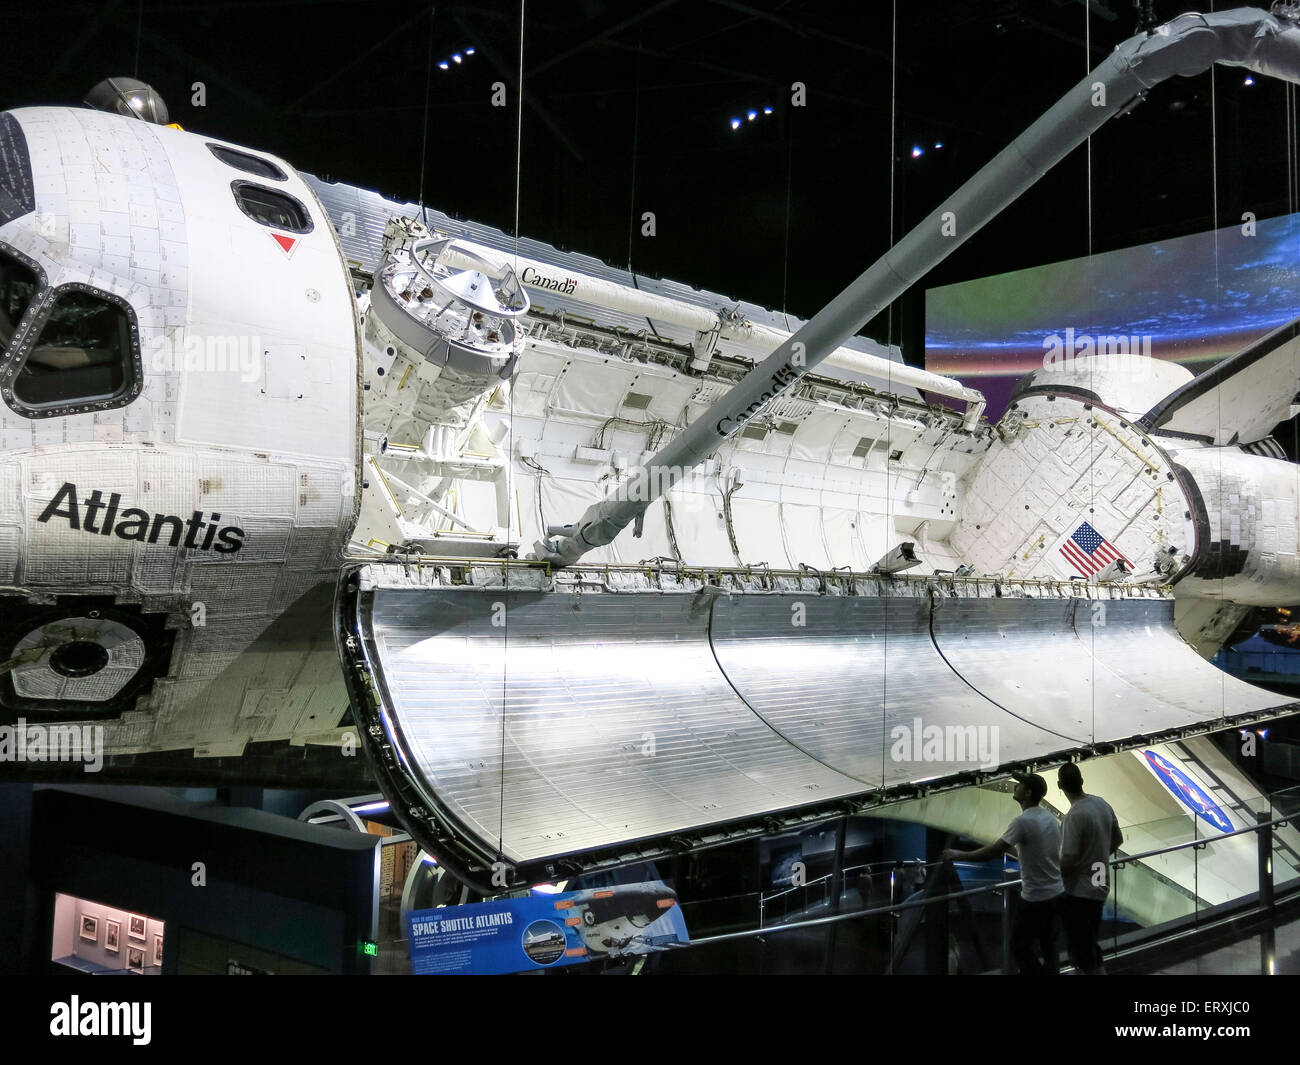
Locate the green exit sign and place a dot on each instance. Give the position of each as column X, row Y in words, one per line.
column 369, row 949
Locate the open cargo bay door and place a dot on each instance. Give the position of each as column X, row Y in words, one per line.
column 528, row 725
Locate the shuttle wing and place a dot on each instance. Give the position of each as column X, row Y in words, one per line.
column 558, row 728
column 1240, row 400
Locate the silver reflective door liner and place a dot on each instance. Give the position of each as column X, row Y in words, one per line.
column 860, row 681
column 529, row 734
column 1093, row 670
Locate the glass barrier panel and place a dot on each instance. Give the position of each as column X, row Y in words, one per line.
column 1160, row 888
column 1286, row 840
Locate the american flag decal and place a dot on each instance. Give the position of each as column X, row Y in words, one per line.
column 1088, row 551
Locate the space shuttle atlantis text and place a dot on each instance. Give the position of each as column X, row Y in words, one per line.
column 462, row 924
column 199, row 532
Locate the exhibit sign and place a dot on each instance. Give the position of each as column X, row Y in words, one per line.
column 544, row 930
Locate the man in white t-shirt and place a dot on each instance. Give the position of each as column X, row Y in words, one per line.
column 1090, row 836
column 1035, row 838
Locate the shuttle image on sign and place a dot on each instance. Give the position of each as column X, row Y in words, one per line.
column 285, row 463
column 615, row 921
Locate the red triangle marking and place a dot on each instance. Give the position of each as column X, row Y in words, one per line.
column 286, row 243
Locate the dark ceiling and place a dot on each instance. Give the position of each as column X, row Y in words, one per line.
column 627, row 109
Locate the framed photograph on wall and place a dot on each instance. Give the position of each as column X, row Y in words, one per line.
column 135, row 958
column 112, row 935
column 90, row 928
column 136, row 931
column 157, row 952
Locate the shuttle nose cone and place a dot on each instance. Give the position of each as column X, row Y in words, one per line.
column 129, row 97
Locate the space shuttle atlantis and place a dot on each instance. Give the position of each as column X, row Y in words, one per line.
column 594, row 568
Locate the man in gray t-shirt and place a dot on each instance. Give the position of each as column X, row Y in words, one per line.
column 1090, row 836
column 1035, row 838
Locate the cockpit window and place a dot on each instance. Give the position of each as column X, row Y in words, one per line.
column 84, row 353
column 249, row 164
column 271, row 208
column 18, row 288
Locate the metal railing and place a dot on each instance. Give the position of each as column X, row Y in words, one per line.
column 822, row 886
column 901, row 920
